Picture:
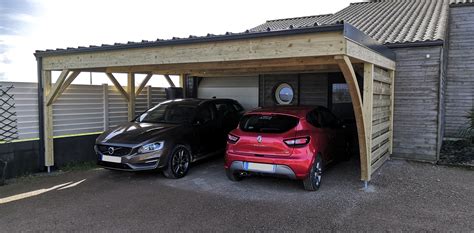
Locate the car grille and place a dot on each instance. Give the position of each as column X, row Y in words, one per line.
column 117, row 151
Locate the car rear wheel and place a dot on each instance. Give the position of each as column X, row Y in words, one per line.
column 178, row 162
column 313, row 181
column 233, row 176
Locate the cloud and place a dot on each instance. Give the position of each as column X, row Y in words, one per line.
column 22, row 17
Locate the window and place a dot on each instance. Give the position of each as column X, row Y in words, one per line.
column 168, row 113
column 204, row 115
column 314, row 118
column 238, row 107
column 340, row 93
column 268, row 123
column 284, row 93
column 223, row 109
column 328, row 119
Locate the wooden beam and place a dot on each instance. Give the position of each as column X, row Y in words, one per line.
column 275, row 70
column 66, row 84
column 349, row 75
column 368, row 109
column 57, row 86
column 131, row 92
column 366, row 55
column 168, row 79
column 48, row 121
column 392, row 105
column 221, row 65
column 118, row 86
column 143, row 84
column 274, row 47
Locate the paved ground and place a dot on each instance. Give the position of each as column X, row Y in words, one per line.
column 403, row 196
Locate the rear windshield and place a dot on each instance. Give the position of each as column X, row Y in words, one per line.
column 267, row 123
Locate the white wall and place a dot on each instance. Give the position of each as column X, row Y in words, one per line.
column 242, row 89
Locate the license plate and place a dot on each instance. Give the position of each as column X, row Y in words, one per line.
column 112, row 159
column 259, row 167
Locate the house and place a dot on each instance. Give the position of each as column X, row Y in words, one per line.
column 401, row 69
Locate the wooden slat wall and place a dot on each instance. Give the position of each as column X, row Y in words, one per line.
column 416, row 103
column 270, row 81
column 460, row 69
column 313, row 88
column 381, row 113
column 80, row 109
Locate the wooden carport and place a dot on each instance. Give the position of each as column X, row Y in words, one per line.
column 333, row 48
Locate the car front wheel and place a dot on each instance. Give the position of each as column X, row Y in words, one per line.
column 313, row 181
column 178, row 162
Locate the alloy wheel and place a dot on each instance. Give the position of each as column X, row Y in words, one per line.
column 317, row 173
column 180, row 162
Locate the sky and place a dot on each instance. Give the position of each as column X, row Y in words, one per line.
column 29, row 25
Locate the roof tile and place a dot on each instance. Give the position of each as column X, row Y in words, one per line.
column 388, row 21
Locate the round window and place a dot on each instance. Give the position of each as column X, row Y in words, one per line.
column 284, row 93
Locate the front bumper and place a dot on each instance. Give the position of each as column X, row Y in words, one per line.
column 133, row 162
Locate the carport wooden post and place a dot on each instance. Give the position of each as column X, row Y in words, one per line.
column 392, row 105
column 349, row 75
column 131, row 94
column 48, row 121
column 182, row 83
column 368, row 110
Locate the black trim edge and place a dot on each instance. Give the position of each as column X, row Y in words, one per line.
column 416, row 44
column 461, row 4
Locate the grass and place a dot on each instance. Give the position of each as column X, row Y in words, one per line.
column 82, row 166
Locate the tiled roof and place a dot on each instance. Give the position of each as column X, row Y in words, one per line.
column 279, row 24
column 387, row 21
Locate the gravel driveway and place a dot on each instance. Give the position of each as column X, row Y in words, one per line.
column 402, row 196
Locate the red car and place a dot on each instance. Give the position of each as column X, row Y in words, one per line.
column 293, row 142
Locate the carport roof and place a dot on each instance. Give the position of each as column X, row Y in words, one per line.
column 349, row 32
column 387, row 21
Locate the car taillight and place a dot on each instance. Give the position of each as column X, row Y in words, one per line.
column 232, row 138
column 297, row 141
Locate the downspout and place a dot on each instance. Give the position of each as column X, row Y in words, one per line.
column 41, row 151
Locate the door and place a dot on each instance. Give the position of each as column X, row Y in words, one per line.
column 205, row 126
column 243, row 89
column 335, row 134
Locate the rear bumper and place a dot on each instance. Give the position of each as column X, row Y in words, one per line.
column 280, row 170
column 294, row 167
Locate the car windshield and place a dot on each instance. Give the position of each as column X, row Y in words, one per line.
column 267, row 123
column 172, row 113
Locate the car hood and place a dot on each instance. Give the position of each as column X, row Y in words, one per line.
column 135, row 134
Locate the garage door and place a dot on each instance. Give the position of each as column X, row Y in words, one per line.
column 242, row 89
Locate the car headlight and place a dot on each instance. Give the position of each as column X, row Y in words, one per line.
column 151, row 147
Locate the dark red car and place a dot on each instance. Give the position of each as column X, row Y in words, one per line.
column 294, row 142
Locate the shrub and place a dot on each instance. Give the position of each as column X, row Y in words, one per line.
column 468, row 130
